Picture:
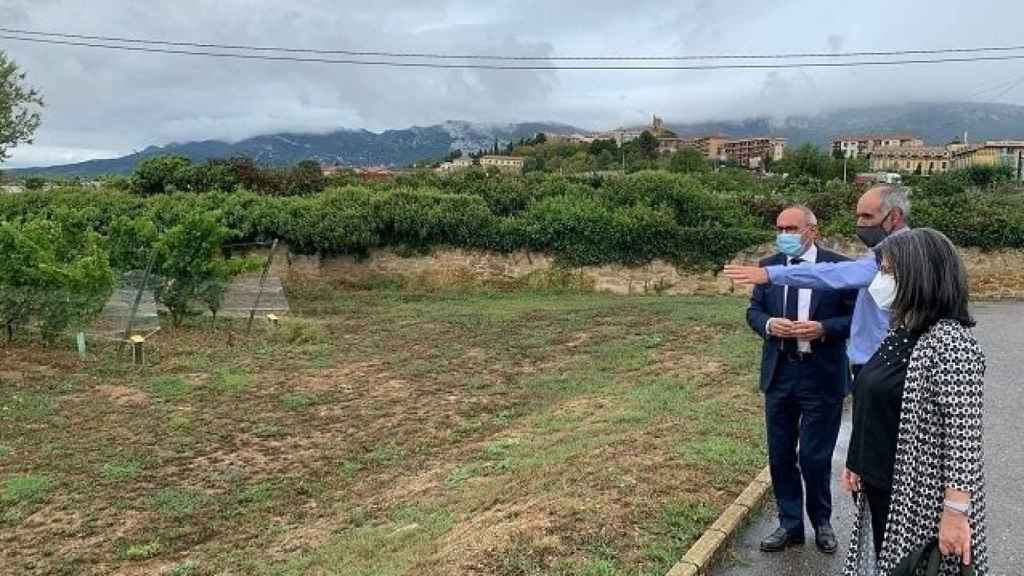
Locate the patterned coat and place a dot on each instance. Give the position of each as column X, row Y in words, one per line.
column 939, row 446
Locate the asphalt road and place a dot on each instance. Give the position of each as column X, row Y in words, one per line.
column 1001, row 333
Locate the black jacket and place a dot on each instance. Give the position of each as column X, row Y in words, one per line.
column 833, row 308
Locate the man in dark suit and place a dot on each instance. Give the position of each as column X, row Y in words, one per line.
column 804, row 377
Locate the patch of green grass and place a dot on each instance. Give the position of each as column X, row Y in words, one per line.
column 297, row 401
column 169, row 388
column 230, row 382
column 660, row 396
column 25, row 488
column 740, row 350
column 569, row 382
column 460, row 474
column 678, row 526
column 242, row 498
column 380, row 457
column 4, row 451
column 121, row 471
column 186, row 568
column 25, row 406
column 349, row 467
column 257, row 494
column 266, row 430
column 178, row 502
column 200, row 361
column 21, row 494
column 388, row 548
column 321, row 356
column 730, row 460
column 496, row 458
column 180, row 423
column 299, row 331
column 142, row 551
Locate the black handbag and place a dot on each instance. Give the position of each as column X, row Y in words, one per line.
column 927, row 556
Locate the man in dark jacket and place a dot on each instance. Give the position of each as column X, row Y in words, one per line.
column 804, row 376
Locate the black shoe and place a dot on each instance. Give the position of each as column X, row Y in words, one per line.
column 825, row 538
column 780, row 540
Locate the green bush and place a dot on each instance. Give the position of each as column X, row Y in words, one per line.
column 188, row 266
column 54, row 274
column 697, row 219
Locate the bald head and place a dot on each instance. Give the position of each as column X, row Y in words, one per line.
column 799, row 211
column 798, row 219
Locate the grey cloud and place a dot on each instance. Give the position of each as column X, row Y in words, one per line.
column 98, row 101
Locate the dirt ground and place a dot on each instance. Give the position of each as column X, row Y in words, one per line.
column 384, row 432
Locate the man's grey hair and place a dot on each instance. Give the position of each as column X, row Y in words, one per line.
column 809, row 216
column 895, row 197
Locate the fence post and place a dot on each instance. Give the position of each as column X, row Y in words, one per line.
column 138, row 354
column 135, row 304
column 80, row 344
column 259, row 290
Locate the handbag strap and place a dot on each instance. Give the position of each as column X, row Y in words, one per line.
column 910, row 563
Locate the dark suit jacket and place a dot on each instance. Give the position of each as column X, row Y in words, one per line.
column 833, row 308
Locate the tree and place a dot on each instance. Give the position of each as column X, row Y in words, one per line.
column 605, row 160
column 18, row 117
column 599, row 146
column 688, row 160
column 35, row 183
column 648, row 145
column 52, row 272
column 188, row 265
column 306, row 178
column 162, row 174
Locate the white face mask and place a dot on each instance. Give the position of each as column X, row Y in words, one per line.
column 883, row 290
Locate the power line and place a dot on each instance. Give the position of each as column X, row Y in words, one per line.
column 464, row 66
column 443, row 56
column 1000, row 88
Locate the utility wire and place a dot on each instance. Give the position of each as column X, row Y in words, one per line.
column 442, row 56
column 405, row 64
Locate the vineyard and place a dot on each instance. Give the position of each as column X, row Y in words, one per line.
column 64, row 245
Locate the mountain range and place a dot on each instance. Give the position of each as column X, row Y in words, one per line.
column 936, row 123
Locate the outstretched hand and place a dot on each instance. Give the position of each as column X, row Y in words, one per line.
column 746, row 274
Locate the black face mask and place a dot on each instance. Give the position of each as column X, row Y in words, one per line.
column 872, row 236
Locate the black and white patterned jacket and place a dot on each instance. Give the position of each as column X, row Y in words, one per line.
column 939, row 446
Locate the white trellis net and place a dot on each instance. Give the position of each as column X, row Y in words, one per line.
column 244, row 295
column 114, row 320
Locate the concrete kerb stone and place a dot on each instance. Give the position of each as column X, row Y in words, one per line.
column 698, row 559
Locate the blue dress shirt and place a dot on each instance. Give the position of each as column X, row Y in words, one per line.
column 870, row 323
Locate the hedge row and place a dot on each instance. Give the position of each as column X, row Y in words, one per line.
column 695, row 220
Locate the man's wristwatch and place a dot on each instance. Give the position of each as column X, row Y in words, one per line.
column 957, row 506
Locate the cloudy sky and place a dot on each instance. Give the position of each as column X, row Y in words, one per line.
column 102, row 103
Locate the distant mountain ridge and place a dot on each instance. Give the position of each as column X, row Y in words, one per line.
column 345, row 147
column 936, row 123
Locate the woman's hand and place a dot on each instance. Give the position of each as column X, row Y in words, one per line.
column 955, row 535
column 850, row 481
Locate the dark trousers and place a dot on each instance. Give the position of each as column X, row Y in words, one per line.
column 879, row 500
column 803, row 426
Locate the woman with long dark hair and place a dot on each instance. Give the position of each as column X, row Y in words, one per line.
column 915, row 452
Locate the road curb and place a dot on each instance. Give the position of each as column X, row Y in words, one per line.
column 698, row 559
